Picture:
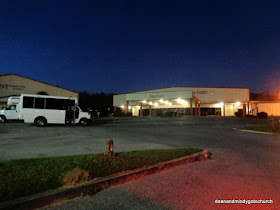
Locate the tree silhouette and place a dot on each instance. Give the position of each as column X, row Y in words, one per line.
column 42, row 93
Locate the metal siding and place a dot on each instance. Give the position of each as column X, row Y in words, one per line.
column 269, row 108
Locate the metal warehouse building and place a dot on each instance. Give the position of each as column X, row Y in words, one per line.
column 13, row 84
column 185, row 101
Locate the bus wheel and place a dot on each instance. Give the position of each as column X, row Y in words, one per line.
column 40, row 121
column 3, row 119
column 84, row 121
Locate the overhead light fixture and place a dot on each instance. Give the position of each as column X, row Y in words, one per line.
column 122, row 106
column 161, row 101
column 170, row 103
column 150, row 103
column 179, row 100
column 237, row 103
column 156, row 104
column 144, row 101
column 166, row 102
column 129, row 107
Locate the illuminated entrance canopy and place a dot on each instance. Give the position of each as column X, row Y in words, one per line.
column 198, row 101
column 158, row 95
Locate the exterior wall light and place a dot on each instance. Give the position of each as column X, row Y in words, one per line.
column 144, row 101
column 129, row 107
column 150, row 103
column 161, row 101
column 170, row 103
column 237, row 103
column 122, row 106
column 156, row 104
column 166, row 102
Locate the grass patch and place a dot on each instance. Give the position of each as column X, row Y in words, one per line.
column 24, row 177
column 264, row 128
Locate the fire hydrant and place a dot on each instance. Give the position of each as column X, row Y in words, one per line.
column 109, row 148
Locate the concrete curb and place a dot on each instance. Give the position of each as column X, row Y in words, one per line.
column 259, row 132
column 63, row 194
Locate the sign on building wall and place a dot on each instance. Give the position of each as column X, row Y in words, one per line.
column 12, row 86
column 158, row 95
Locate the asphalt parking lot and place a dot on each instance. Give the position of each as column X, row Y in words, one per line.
column 243, row 165
column 20, row 140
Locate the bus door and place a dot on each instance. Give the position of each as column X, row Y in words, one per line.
column 11, row 112
column 77, row 112
column 70, row 112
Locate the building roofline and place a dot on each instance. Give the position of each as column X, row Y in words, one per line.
column 38, row 81
column 181, row 87
column 259, row 101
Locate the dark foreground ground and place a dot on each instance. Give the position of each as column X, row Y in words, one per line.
column 243, row 165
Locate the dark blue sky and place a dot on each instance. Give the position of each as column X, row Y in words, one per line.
column 124, row 46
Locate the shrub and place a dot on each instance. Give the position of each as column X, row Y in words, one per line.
column 170, row 113
column 238, row 114
column 262, row 115
column 159, row 114
column 122, row 114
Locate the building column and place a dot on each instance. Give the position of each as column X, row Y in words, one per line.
column 191, row 111
column 224, row 109
column 150, row 111
column 126, row 108
column 244, row 110
column 115, row 109
column 141, row 110
column 199, row 110
column 195, row 109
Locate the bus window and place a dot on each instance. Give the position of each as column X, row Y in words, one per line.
column 28, row 102
column 52, row 103
column 39, row 103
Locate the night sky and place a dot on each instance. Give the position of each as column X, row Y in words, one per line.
column 125, row 46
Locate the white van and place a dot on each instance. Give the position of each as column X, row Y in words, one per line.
column 12, row 110
column 45, row 109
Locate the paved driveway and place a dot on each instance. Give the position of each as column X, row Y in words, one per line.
column 244, row 165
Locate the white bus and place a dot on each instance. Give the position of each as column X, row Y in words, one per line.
column 44, row 109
